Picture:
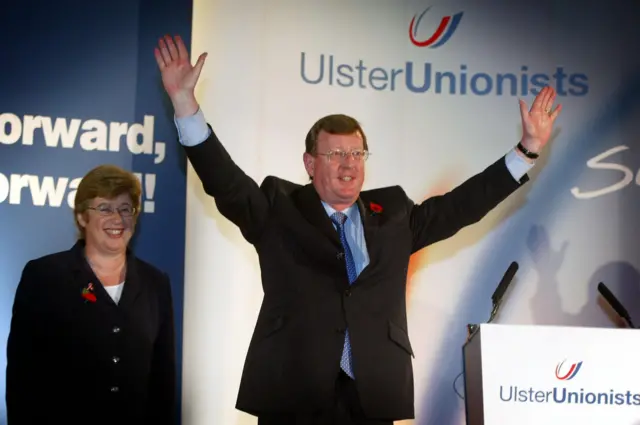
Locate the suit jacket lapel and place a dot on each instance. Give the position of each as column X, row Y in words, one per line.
column 310, row 206
column 132, row 284
column 83, row 276
column 370, row 224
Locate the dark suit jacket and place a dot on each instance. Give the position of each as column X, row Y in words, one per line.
column 294, row 355
column 78, row 362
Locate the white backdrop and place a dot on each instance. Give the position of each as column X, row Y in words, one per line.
column 255, row 92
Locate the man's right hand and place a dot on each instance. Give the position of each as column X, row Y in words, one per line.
column 178, row 76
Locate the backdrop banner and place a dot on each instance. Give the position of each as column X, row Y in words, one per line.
column 435, row 85
column 80, row 87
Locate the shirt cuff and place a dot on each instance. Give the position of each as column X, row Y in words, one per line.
column 517, row 165
column 192, row 129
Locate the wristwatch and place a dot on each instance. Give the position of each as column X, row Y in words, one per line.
column 526, row 152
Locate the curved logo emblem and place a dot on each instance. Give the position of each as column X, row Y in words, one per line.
column 443, row 33
column 564, row 374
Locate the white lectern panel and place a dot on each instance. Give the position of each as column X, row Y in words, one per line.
column 553, row 376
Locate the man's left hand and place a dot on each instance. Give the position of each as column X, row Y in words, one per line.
column 537, row 123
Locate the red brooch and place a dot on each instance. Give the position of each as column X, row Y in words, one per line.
column 375, row 208
column 87, row 293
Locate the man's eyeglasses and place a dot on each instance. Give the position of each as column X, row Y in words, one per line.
column 338, row 155
column 107, row 210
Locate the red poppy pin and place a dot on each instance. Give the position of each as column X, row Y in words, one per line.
column 87, row 293
column 375, row 208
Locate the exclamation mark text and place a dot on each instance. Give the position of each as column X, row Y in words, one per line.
column 149, row 189
column 148, row 204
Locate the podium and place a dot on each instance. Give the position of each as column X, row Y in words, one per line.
column 552, row 375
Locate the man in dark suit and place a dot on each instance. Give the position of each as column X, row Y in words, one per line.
column 331, row 342
column 92, row 333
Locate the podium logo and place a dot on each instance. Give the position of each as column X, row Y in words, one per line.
column 442, row 34
column 565, row 373
column 567, row 394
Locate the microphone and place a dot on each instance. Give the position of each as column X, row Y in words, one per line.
column 498, row 295
column 615, row 304
column 496, row 298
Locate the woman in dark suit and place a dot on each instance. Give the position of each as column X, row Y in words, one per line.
column 92, row 332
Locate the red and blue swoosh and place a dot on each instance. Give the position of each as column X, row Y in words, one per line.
column 573, row 371
column 446, row 28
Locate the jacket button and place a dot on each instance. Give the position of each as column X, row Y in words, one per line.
column 116, row 359
column 115, row 330
column 347, row 293
column 340, row 256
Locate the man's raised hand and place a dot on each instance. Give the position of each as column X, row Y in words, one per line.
column 179, row 77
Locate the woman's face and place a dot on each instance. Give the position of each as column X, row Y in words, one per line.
column 109, row 224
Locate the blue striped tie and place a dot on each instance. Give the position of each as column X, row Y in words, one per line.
column 338, row 219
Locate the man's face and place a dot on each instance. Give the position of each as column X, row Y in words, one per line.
column 338, row 179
